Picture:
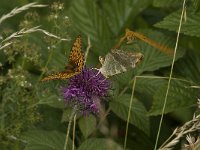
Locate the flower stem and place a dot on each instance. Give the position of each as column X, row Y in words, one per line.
column 68, row 128
column 129, row 112
column 74, row 127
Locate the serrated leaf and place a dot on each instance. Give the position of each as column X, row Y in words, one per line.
column 190, row 26
column 45, row 140
column 123, row 11
column 124, row 78
column 192, row 71
column 153, row 58
column 87, row 125
column 87, row 18
column 96, row 19
column 99, row 144
column 120, row 106
column 149, row 85
column 180, row 95
column 146, row 84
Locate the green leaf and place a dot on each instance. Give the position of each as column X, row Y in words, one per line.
column 52, row 100
column 58, row 61
column 87, row 125
column 180, row 95
column 190, row 26
column 145, row 84
column 98, row 21
column 166, row 3
column 66, row 115
column 48, row 93
column 99, row 144
column 192, row 71
column 87, row 18
column 3, row 58
column 120, row 106
column 153, row 58
column 196, row 5
column 45, row 140
column 124, row 10
column 149, row 85
column 123, row 79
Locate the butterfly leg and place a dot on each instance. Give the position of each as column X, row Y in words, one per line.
column 96, row 74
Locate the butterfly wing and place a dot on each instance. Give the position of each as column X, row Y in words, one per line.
column 111, row 66
column 118, row 61
column 127, row 59
column 59, row 75
column 76, row 57
column 75, row 64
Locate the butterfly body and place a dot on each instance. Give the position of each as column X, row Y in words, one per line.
column 118, row 61
column 75, row 64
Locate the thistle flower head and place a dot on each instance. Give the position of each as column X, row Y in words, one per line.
column 86, row 89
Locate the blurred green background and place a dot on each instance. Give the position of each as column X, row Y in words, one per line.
column 33, row 114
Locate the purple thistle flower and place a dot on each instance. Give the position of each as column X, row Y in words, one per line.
column 85, row 90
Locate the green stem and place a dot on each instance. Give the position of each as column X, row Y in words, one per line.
column 74, row 127
column 48, row 60
column 170, row 77
column 68, row 128
column 129, row 113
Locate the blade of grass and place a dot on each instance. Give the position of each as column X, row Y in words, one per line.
column 16, row 10
column 170, row 76
column 68, row 128
column 74, row 127
column 129, row 113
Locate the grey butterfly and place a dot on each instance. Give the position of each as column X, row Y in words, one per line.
column 118, row 61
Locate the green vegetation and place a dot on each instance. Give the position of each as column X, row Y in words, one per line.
column 35, row 41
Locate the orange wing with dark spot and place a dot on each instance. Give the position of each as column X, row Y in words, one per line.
column 75, row 64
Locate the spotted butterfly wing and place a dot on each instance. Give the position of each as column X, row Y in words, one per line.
column 118, row 61
column 75, row 64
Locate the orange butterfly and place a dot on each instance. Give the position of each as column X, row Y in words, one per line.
column 75, row 64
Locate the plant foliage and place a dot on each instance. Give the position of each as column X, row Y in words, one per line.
column 35, row 40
